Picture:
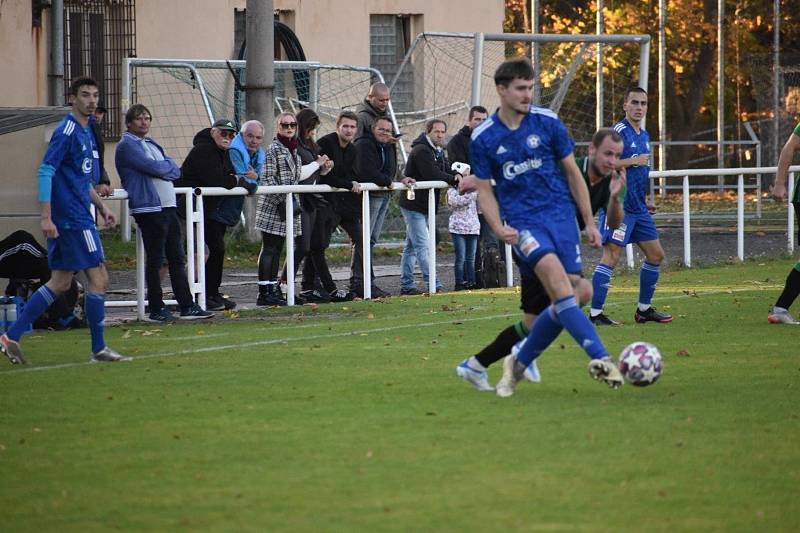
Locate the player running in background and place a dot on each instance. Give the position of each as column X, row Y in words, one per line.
column 606, row 192
column 524, row 148
column 638, row 226
column 67, row 177
column 779, row 314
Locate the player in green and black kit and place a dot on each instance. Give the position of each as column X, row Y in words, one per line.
column 606, row 188
column 780, row 311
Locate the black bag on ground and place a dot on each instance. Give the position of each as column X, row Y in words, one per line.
column 493, row 268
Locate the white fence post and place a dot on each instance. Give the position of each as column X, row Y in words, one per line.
column 687, row 238
column 366, row 249
column 290, row 249
column 191, row 246
column 629, row 255
column 509, row 266
column 140, row 282
column 198, row 225
column 740, row 218
column 431, row 241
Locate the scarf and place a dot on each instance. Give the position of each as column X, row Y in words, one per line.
column 288, row 142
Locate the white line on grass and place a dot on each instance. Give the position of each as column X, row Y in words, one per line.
column 328, row 335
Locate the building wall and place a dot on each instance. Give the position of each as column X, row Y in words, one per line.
column 24, row 57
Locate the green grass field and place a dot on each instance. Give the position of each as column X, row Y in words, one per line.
column 350, row 418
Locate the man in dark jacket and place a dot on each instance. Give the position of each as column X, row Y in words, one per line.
column 344, row 209
column 103, row 187
column 376, row 162
column 458, row 151
column 374, row 106
column 427, row 162
column 208, row 165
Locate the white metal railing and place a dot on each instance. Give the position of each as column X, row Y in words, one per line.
column 195, row 234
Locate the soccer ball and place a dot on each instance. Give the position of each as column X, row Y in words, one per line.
column 640, row 363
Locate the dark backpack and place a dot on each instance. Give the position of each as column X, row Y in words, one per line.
column 493, row 268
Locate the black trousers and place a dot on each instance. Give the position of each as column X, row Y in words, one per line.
column 215, row 240
column 161, row 235
column 326, row 223
column 21, row 257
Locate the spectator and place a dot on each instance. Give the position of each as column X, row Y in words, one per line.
column 427, row 162
column 248, row 159
column 283, row 167
column 103, row 187
column 314, row 166
column 458, row 151
column 374, row 106
column 208, row 165
column 147, row 175
column 344, row 209
column 376, row 162
column 464, row 228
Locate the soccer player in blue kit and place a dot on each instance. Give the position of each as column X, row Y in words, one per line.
column 67, row 177
column 528, row 152
column 638, row 226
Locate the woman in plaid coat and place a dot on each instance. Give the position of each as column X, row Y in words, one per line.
column 283, row 167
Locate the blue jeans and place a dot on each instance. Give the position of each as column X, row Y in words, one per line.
column 416, row 248
column 465, row 246
column 378, row 206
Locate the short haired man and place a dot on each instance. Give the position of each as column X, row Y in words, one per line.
column 426, row 162
column 249, row 161
column 376, row 162
column 606, row 193
column 779, row 314
column 344, row 207
column 374, row 106
column 208, row 165
column 147, row 175
column 527, row 150
column 638, row 226
column 67, row 176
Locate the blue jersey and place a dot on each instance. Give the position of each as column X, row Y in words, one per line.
column 637, row 177
column 530, row 186
column 73, row 154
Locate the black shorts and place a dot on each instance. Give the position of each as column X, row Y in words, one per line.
column 533, row 296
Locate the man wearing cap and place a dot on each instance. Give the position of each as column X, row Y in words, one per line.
column 208, row 165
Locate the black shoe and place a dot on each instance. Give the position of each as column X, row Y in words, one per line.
column 270, row 297
column 341, row 295
column 195, row 312
column 413, row 291
column 377, row 292
column 314, row 296
column 603, row 320
column 651, row 315
column 215, row 303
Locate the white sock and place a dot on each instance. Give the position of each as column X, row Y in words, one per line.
column 644, row 307
column 595, row 312
column 475, row 365
column 778, row 310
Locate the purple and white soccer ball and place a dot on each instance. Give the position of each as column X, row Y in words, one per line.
column 641, row 364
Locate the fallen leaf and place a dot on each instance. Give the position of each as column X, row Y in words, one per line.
column 127, row 335
column 370, row 316
column 683, row 353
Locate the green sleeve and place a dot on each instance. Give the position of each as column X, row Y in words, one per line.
column 797, row 130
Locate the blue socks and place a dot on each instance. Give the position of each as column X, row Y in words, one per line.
column 648, row 279
column 563, row 314
column 601, row 281
column 34, row 307
column 95, row 317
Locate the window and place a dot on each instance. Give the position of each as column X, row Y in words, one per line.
column 389, row 40
column 98, row 35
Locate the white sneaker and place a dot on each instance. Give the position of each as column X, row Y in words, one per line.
column 532, row 370
column 505, row 387
column 478, row 379
column 107, row 355
column 606, row 371
column 781, row 317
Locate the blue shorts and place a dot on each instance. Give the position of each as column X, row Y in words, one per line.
column 560, row 238
column 75, row 249
column 634, row 228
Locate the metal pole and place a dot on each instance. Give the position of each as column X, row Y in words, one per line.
column 125, row 221
column 509, row 266
column 687, row 237
column 662, row 94
column 140, row 283
column 740, row 218
column 290, row 249
column 191, row 246
column 366, row 249
column 720, row 91
column 776, row 91
column 644, row 68
column 57, row 53
column 260, row 86
column 536, row 28
column 790, row 225
column 431, row 241
column 198, row 221
column 477, row 69
column 600, row 81
column 629, row 255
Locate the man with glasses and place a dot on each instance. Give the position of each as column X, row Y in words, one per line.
column 208, row 165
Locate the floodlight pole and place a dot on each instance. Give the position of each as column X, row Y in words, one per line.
column 536, row 28
column 599, row 81
column 662, row 94
column 720, row 91
column 776, row 92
